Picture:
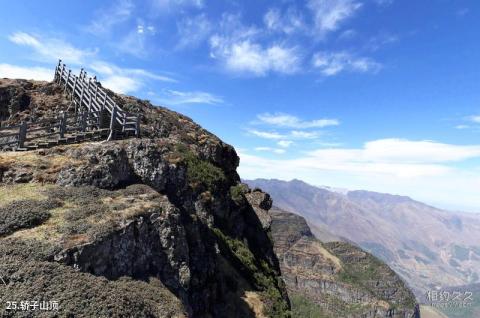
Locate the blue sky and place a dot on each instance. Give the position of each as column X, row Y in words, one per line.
column 381, row 95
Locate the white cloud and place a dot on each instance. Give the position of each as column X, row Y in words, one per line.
column 290, row 121
column 377, row 42
column 285, row 143
column 269, row 149
column 294, row 134
column 329, row 14
column 253, row 58
column 51, row 49
column 266, row 134
column 290, row 22
column 332, row 63
column 174, row 97
column 402, row 151
column 192, row 31
column 475, row 119
column 121, row 84
column 162, row 6
column 384, row 2
column 105, row 20
column 239, row 50
column 34, row 73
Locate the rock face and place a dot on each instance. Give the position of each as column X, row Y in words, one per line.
column 162, row 221
column 335, row 279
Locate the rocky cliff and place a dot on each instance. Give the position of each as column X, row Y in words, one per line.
column 335, row 279
column 153, row 227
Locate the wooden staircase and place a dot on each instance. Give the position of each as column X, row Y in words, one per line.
column 96, row 117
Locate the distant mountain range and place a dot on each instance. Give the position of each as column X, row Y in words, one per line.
column 428, row 247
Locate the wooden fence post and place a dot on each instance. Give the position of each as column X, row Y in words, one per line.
column 89, row 95
column 57, row 71
column 137, row 131
column 112, row 122
column 81, row 95
column 63, row 124
column 74, row 86
column 83, row 124
column 124, row 121
column 66, row 82
column 61, row 73
column 22, row 134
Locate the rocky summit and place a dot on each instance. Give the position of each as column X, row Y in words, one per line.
column 161, row 226
column 157, row 226
column 335, row 279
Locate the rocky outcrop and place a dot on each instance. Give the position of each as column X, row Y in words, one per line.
column 166, row 210
column 335, row 279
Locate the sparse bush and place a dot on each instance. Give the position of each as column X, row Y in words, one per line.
column 25, row 214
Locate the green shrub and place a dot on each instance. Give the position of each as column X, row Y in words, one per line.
column 237, row 192
column 202, row 172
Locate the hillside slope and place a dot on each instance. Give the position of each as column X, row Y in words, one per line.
column 427, row 246
column 152, row 227
column 335, row 279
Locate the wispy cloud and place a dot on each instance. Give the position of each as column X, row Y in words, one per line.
column 290, row 121
column 294, row 134
column 329, row 14
column 175, row 97
column 125, row 80
column 332, row 63
column 48, row 49
column 285, row 143
column 166, row 5
column 379, row 41
column 193, row 31
column 106, row 19
column 474, row 119
column 121, row 80
column 34, row 73
column 269, row 149
column 289, row 22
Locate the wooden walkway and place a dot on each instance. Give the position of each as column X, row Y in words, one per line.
column 96, row 117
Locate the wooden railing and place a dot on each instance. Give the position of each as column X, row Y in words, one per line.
column 95, row 112
column 89, row 95
column 17, row 136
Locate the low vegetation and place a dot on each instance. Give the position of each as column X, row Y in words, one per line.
column 262, row 275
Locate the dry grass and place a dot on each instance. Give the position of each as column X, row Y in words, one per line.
column 254, row 301
column 28, row 191
column 88, row 212
column 327, row 255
